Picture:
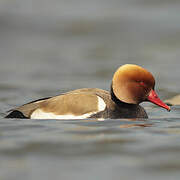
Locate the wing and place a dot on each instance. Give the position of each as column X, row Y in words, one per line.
column 70, row 106
column 76, row 104
column 25, row 110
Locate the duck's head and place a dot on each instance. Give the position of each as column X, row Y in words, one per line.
column 133, row 84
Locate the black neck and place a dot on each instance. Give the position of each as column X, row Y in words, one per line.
column 118, row 102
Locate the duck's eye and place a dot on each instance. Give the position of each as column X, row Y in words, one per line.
column 142, row 83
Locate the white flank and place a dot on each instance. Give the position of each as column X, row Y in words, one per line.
column 101, row 104
column 39, row 114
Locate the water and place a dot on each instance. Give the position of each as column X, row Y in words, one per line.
column 44, row 149
column 51, row 47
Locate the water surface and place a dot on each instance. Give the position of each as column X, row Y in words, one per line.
column 47, row 48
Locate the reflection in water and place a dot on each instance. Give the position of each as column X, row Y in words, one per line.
column 135, row 125
column 134, row 144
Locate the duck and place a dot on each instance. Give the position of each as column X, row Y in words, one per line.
column 173, row 101
column 131, row 85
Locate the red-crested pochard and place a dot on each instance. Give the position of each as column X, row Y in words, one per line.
column 173, row 101
column 131, row 85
